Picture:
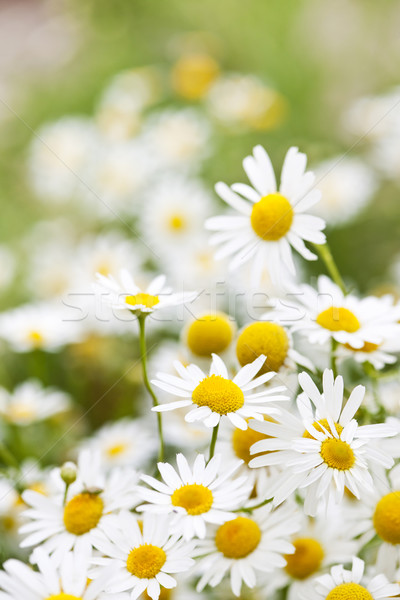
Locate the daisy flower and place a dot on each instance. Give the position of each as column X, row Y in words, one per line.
column 69, row 581
column 377, row 515
column 246, row 545
column 209, row 334
column 273, row 341
column 173, row 213
column 271, row 221
column 124, row 294
column 347, row 186
column 331, row 453
column 326, row 313
column 193, row 74
column 90, row 501
column 123, row 443
column 198, row 495
column 142, row 557
column 30, row 402
column 216, row 395
column 342, row 584
column 317, row 546
column 39, row 326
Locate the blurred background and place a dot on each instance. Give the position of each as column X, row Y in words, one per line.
column 116, row 120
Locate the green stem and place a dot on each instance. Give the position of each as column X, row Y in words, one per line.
column 213, row 441
column 251, row 508
column 334, row 346
column 143, row 356
column 8, row 458
column 326, row 256
column 66, row 493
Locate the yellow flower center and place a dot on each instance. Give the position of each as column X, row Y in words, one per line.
column 192, row 75
column 177, row 222
column 35, row 338
column 195, row 499
column 116, row 450
column 64, row 597
column 349, row 591
column 243, row 440
column 306, row 559
column 210, row 334
column 367, row 347
column 337, row 454
column 143, row 299
column 146, row 561
column 238, row 538
column 272, row 217
column 21, row 411
column 387, row 518
column 263, row 338
column 320, row 426
column 83, row 512
column 219, row 394
column 165, row 594
column 338, row 319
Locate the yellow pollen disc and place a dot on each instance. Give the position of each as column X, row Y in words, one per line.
column 337, row 454
column 238, row 538
column 36, row 338
column 146, row 561
column 272, row 217
column 306, row 559
column 349, row 591
column 165, row 594
column 263, row 338
column 116, row 450
column 243, row 440
column 320, row 426
column 146, row 300
column 368, row 347
column 195, row 499
column 210, row 334
column 219, row 394
column 387, row 518
column 177, row 222
column 338, row 319
column 192, row 75
column 64, row 597
column 83, row 512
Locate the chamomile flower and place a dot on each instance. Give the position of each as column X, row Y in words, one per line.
column 332, row 452
column 59, row 156
column 39, row 326
column 317, row 546
column 178, row 138
column 377, row 515
column 378, row 355
column 342, row 584
column 209, row 334
column 347, row 185
column 142, row 558
column 173, row 213
column 69, row 581
column 325, row 313
column 90, row 502
column 216, row 395
column 273, row 341
column 205, row 493
column 271, row 221
column 246, row 546
column 125, row 294
column 123, row 443
column 30, row 402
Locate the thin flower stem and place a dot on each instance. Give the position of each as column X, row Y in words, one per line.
column 326, row 256
column 250, row 509
column 213, row 441
column 143, row 356
column 66, row 493
column 334, row 346
column 8, row 458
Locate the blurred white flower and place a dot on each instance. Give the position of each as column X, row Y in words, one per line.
column 346, row 185
column 31, row 402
